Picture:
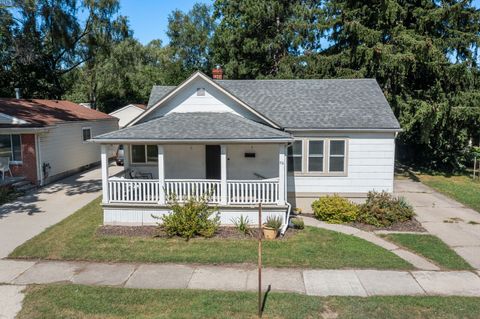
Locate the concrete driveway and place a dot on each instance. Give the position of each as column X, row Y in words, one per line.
column 446, row 218
column 30, row 215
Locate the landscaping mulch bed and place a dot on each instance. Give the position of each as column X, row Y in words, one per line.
column 408, row 226
column 154, row 231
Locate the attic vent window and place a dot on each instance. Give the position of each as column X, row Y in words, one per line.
column 200, row 91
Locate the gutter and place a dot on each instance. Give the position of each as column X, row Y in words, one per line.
column 390, row 130
column 170, row 141
column 24, row 130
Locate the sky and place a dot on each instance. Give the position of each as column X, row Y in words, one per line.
column 149, row 18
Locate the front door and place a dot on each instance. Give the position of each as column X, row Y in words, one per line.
column 212, row 159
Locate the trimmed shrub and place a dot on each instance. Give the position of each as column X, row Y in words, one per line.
column 190, row 219
column 335, row 209
column 383, row 210
column 298, row 223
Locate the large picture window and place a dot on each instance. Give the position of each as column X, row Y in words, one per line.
column 11, row 147
column 143, row 154
column 295, row 155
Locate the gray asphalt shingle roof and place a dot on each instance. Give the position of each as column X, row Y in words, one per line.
column 157, row 92
column 311, row 104
column 320, row 104
column 197, row 126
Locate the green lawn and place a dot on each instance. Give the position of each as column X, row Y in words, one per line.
column 73, row 301
column 432, row 248
column 459, row 187
column 74, row 239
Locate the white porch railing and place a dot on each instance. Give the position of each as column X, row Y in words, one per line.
column 134, row 190
column 238, row 191
column 184, row 189
column 252, row 192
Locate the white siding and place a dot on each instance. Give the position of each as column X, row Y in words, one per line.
column 63, row 147
column 136, row 216
column 127, row 114
column 370, row 159
column 188, row 162
column 213, row 101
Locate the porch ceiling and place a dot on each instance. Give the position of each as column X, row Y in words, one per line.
column 196, row 127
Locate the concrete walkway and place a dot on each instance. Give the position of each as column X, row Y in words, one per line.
column 416, row 260
column 31, row 214
column 241, row 278
column 445, row 218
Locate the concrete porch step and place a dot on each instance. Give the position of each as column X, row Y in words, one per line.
column 25, row 187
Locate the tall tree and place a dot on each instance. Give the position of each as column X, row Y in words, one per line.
column 49, row 40
column 126, row 74
column 190, row 37
column 253, row 36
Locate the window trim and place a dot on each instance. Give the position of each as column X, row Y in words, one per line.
column 307, row 157
column 12, row 161
column 301, row 156
column 145, row 148
column 326, row 157
column 339, row 156
column 86, row 128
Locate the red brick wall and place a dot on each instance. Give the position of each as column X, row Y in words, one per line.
column 28, row 168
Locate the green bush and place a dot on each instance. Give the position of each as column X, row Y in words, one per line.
column 298, row 223
column 383, row 210
column 190, row 219
column 242, row 224
column 274, row 222
column 335, row 209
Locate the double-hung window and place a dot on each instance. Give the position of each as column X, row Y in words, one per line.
column 86, row 133
column 11, row 147
column 144, row 154
column 336, row 160
column 322, row 156
column 295, row 156
column 315, row 155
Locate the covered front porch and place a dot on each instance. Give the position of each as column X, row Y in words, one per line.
column 225, row 174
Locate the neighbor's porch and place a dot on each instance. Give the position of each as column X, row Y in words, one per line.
column 227, row 174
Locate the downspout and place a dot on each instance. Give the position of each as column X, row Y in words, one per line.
column 287, row 219
column 39, row 159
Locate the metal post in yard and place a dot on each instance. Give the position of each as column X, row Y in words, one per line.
column 259, row 260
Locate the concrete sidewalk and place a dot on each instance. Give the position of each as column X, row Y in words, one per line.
column 31, row 214
column 241, row 278
column 444, row 218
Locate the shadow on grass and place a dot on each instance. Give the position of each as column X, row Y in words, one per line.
column 265, row 297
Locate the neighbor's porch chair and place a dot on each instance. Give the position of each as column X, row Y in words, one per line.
column 5, row 166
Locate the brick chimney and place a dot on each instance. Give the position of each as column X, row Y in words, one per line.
column 217, row 73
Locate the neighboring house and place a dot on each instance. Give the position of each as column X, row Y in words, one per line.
column 278, row 142
column 127, row 113
column 48, row 139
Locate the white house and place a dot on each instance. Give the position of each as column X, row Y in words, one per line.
column 279, row 142
column 127, row 113
column 45, row 140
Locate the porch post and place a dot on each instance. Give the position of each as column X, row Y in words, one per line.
column 223, row 170
column 281, row 174
column 126, row 156
column 161, row 175
column 104, row 162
